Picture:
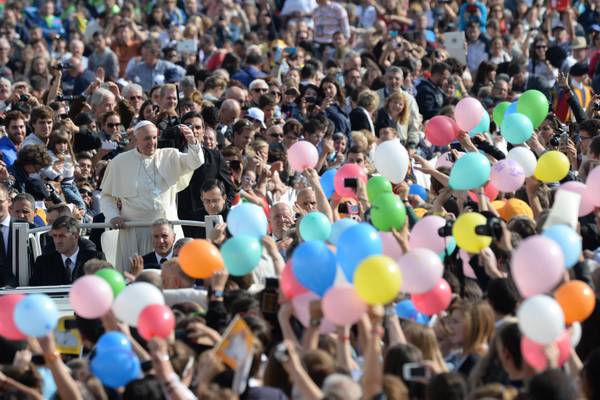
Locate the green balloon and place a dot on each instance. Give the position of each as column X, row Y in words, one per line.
column 241, row 254
column 378, row 185
column 499, row 111
column 114, row 279
column 315, row 226
column 534, row 105
column 388, row 212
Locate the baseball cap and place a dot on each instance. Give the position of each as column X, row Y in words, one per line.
column 579, row 43
column 514, row 208
column 256, row 114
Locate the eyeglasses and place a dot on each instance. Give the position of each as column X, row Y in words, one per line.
column 276, row 135
column 112, row 126
column 136, row 98
column 275, row 93
column 260, row 90
column 541, row 46
column 84, row 192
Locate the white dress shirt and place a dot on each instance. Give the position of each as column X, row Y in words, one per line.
column 73, row 260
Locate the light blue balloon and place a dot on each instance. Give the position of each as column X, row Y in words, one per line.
column 340, row 227
column 315, row 226
column 247, row 219
column 116, row 369
column 406, row 309
column 483, row 126
column 516, row 128
column 568, row 240
column 113, row 341
column 418, row 190
column 355, row 244
column 471, row 171
column 314, row 266
column 36, row 315
column 511, row 109
column 450, row 247
column 327, row 182
column 241, row 254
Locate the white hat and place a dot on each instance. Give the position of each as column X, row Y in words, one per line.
column 140, row 125
column 256, row 114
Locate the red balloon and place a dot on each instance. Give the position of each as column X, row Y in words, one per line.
column 490, row 191
column 434, row 301
column 441, row 130
column 8, row 329
column 534, row 354
column 156, row 320
column 348, row 171
column 289, row 284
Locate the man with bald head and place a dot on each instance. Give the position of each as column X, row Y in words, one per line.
column 229, row 113
column 236, row 93
column 146, row 180
column 281, row 219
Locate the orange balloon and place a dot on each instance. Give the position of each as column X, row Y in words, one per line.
column 200, row 259
column 577, row 300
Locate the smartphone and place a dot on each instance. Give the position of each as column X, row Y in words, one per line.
column 315, row 310
column 211, row 222
column 415, row 372
column 564, row 139
column 351, row 183
column 310, row 99
column 281, row 353
column 269, row 297
column 109, row 145
column 343, row 208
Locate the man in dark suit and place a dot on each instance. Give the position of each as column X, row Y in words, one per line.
column 7, row 278
column 163, row 239
column 65, row 264
column 214, row 202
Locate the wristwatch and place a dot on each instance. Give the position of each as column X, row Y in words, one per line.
column 315, row 322
column 51, row 358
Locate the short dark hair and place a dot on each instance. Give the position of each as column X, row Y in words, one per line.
column 591, row 126
column 595, row 146
column 13, row 116
column 502, row 296
column 266, row 100
column 35, row 154
column 552, row 384
column 24, row 196
column 147, row 388
column 210, row 184
column 192, row 114
column 240, row 125
column 509, row 337
column 447, row 386
column 41, row 112
column 68, row 222
column 312, row 126
column 439, row 68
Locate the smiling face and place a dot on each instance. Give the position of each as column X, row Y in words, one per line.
column 163, row 238
column 146, row 139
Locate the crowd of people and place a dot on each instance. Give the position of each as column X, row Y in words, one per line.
column 401, row 199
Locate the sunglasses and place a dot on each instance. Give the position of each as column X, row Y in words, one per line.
column 112, row 126
column 541, row 46
column 136, row 98
column 84, row 192
column 278, row 94
column 260, row 90
column 276, row 135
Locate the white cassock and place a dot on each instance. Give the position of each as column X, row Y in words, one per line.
column 146, row 187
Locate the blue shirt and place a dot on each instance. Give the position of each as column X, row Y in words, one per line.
column 8, row 150
column 148, row 77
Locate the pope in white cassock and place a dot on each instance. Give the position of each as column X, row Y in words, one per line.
column 142, row 184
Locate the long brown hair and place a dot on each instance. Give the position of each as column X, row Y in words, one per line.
column 62, row 136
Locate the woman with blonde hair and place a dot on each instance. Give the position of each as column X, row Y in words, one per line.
column 424, row 338
column 363, row 115
column 396, row 114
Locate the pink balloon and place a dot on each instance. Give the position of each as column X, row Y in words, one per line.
column 391, row 248
column 425, row 234
column 507, row 175
column 8, row 328
column 302, row 155
column 348, row 171
column 441, row 130
column 421, row 270
column 534, row 354
column 468, row 113
column 289, row 284
column 587, row 198
column 342, row 306
column 301, row 304
column 90, row 296
column 467, row 269
column 593, row 185
column 537, row 265
column 434, row 301
column 490, row 191
column 445, row 160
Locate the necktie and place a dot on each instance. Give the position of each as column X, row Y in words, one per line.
column 162, row 260
column 68, row 264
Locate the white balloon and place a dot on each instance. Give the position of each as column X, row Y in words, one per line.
column 391, row 160
column 541, row 319
column 525, row 158
column 575, row 333
column 133, row 299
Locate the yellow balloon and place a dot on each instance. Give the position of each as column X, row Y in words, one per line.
column 377, row 280
column 464, row 233
column 552, row 166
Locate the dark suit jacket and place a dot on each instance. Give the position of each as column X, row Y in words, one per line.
column 7, row 278
column 50, row 270
column 150, row 261
column 359, row 120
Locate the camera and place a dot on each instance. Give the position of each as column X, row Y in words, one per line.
column 24, row 97
column 446, row 230
column 61, row 66
column 596, row 106
column 492, row 228
column 70, row 97
column 351, row 183
column 281, row 353
column 269, row 297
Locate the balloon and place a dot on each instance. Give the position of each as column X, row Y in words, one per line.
column 511, row 109
column 301, row 306
column 482, row 127
column 441, row 130
column 470, row 172
column 391, row 160
column 290, row 287
column 421, row 270
column 468, row 112
column 593, row 184
column 575, row 333
column 327, row 182
column 200, row 259
column 434, row 301
column 534, row 353
column 450, row 248
column 537, row 265
column 113, row 341
column 247, row 219
column 342, row 306
column 302, row 155
column 348, row 171
column 114, row 279
column 340, row 227
column 378, row 185
column 390, row 246
column 552, row 166
column 499, row 112
column 525, row 158
column 569, row 242
column 516, row 128
column 541, row 319
column 133, row 299
column 116, row 369
column 315, row 226
column 586, row 205
column 406, row 309
column 489, row 190
column 36, row 315
column 378, row 280
column 467, row 269
column 357, row 243
column 241, row 254
column 425, row 234
column 90, row 296
column 8, row 328
column 465, row 235
column 388, row 212
column 418, row 190
column 507, row 175
column 534, row 105
column 577, row 300
column 314, row 266
column 156, row 320
column 446, row 160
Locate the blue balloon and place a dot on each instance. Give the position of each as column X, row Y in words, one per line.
column 355, row 244
column 516, row 128
column 327, row 182
column 247, row 219
column 471, row 171
column 241, row 254
column 483, row 126
column 569, row 242
column 113, row 341
column 450, row 247
column 406, row 309
column 36, row 315
column 315, row 226
column 116, row 369
column 511, row 109
column 314, row 265
column 339, row 227
column 419, row 190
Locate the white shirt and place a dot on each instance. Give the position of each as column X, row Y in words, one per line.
column 73, row 259
column 5, row 227
column 30, row 139
column 159, row 257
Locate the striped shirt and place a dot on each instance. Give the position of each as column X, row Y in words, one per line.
column 330, row 18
